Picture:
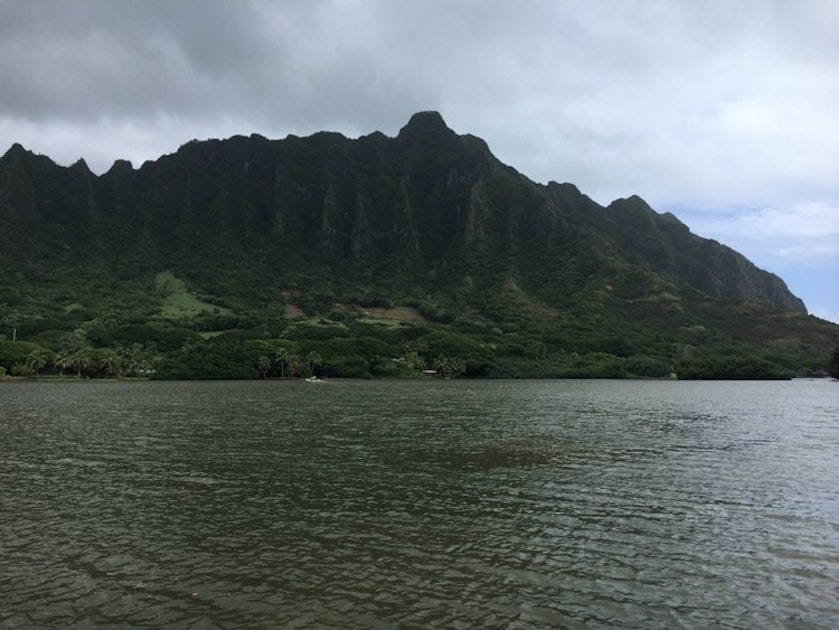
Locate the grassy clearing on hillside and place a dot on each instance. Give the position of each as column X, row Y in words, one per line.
column 209, row 334
column 179, row 301
column 397, row 314
column 292, row 310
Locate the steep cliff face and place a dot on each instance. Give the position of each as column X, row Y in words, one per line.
column 424, row 198
column 667, row 246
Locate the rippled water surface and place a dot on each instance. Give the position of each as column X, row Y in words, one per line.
column 421, row 503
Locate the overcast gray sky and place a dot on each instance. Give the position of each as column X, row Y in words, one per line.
column 722, row 112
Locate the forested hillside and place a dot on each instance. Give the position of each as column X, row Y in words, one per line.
column 249, row 257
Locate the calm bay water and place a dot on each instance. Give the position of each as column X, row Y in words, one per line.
column 423, row 503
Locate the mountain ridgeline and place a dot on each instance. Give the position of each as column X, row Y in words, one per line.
column 424, row 198
column 330, row 229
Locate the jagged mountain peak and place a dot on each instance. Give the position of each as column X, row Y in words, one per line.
column 121, row 166
column 17, row 153
column 81, row 166
column 427, row 197
column 634, row 202
column 16, row 149
column 425, row 124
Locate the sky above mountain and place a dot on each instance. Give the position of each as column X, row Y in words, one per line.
column 721, row 112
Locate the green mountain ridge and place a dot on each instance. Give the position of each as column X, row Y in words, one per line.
column 327, row 226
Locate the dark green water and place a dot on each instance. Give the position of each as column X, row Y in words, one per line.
column 419, row 504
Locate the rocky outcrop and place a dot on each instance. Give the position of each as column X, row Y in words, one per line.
column 424, row 198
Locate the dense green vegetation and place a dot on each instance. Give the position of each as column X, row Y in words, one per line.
column 80, row 327
column 833, row 366
column 376, row 257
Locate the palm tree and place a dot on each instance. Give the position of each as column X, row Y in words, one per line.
column 441, row 364
column 263, row 364
column 131, row 357
column 313, row 359
column 456, row 367
column 148, row 359
column 414, row 361
column 294, row 365
column 282, row 357
column 80, row 359
column 111, row 361
column 413, row 354
column 11, row 324
column 69, row 345
column 447, row 367
column 62, row 361
column 38, row 359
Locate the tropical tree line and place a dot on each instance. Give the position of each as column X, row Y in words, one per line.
column 286, row 364
column 135, row 360
column 348, row 348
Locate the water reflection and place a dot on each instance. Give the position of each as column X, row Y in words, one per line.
column 522, row 504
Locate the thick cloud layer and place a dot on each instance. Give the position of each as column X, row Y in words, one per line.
column 722, row 112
